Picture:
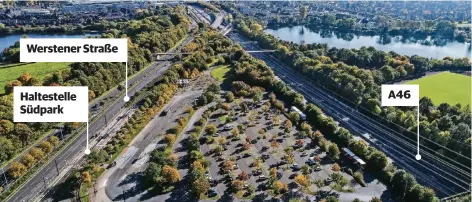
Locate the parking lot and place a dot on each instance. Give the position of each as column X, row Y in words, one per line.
column 252, row 150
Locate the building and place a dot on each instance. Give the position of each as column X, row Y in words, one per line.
column 355, row 159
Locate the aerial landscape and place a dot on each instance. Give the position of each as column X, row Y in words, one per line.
column 237, row 101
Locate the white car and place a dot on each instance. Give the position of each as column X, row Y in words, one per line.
column 228, row 126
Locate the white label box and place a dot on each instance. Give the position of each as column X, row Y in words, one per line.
column 73, row 50
column 50, row 104
column 400, row 95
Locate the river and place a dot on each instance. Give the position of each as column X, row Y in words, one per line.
column 400, row 45
column 7, row 41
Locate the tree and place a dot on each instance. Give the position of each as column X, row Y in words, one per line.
column 235, row 132
column 274, row 144
column 221, row 140
column 375, row 199
column 278, row 187
column 225, row 106
column 302, row 180
column 276, row 120
column 23, row 132
column 331, row 199
column 173, row 159
column 46, row 147
column 28, row 160
column 243, row 176
column 86, row 178
column 336, row 167
column 16, row 170
column 229, row 97
column 333, row 151
column 6, row 149
column 210, row 129
column 294, row 117
column 214, row 88
column 97, row 156
column 36, row 153
column 303, row 12
column 228, row 165
column 54, row 141
column 377, row 161
column 170, row 174
column 256, row 27
column 6, row 127
column 288, row 124
column 359, row 147
column 200, row 186
column 237, row 185
column 170, row 139
column 401, row 182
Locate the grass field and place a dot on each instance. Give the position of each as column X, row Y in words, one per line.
column 445, row 87
column 11, row 72
column 219, row 73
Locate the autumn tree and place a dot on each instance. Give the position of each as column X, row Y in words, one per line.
column 336, row 167
column 276, row 120
column 235, row 132
column 278, row 187
column 16, row 170
column 170, row 174
column 274, row 144
column 288, row 124
column 237, row 185
column 54, row 141
column 169, row 139
column 46, row 147
column 243, row 176
column 228, row 165
column 28, row 160
column 173, row 159
column 36, row 153
column 86, row 177
column 302, row 180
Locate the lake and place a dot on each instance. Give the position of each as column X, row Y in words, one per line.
column 404, row 46
column 7, row 41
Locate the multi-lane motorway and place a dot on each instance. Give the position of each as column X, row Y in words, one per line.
column 45, row 176
column 444, row 177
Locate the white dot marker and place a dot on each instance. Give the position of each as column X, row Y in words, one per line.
column 126, row 98
column 87, row 151
column 418, row 157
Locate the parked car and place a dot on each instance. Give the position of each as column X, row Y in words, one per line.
column 304, row 154
column 295, row 166
column 212, row 192
column 228, row 126
column 262, row 177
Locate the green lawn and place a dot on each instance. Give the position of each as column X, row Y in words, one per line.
column 445, row 87
column 219, row 73
column 11, row 72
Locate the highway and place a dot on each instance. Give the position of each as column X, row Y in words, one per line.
column 431, row 171
column 38, row 183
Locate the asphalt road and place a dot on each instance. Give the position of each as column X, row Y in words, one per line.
column 123, row 181
column 446, row 179
column 38, row 182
